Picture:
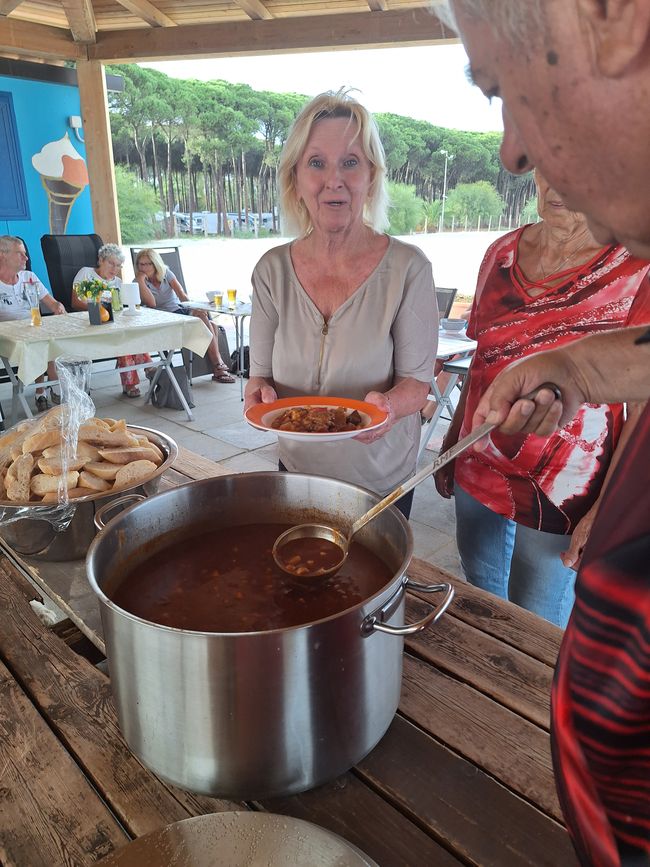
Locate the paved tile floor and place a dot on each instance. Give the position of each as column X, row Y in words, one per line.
column 219, row 432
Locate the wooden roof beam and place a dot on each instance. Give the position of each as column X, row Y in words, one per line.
column 148, row 12
column 7, row 6
column 23, row 39
column 81, row 18
column 255, row 9
column 309, row 33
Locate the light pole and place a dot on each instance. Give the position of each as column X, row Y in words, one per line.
column 448, row 157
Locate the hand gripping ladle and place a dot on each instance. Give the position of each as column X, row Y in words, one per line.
column 342, row 541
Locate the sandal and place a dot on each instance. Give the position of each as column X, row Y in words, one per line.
column 221, row 374
column 134, row 391
column 54, row 397
column 41, row 403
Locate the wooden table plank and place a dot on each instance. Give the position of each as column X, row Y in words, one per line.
column 77, row 701
column 464, row 808
column 49, row 812
column 504, row 620
column 513, row 750
column 349, row 808
column 482, row 663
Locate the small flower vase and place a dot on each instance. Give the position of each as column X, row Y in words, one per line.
column 95, row 314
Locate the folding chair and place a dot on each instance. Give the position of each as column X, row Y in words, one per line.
column 195, row 365
column 458, row 370
column 445, row 298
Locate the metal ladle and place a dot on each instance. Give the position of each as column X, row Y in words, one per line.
column 338, row 538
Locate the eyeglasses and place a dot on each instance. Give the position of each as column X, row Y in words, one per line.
column 142, row 262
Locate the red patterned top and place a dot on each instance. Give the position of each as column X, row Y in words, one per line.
column 546, row 483
column 600, row 706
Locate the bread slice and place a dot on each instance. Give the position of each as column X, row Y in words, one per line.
column 54, row 466
column 43, row 484
column 131, row 474
column 73, row 493
column 84, row 450
column 106, row 438
column 128, row 455
column 89, row 480
column 146, row 443
column 17, row 480
column 103, row 469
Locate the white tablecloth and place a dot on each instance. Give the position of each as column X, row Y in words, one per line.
column 449, row 344
column 29, row 348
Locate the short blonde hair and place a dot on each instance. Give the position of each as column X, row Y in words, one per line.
column 159, row 266
column 294, row 214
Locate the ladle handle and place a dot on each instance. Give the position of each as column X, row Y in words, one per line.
column 415, row 480
column 440, row 461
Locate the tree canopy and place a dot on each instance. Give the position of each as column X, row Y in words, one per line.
column 214, row 146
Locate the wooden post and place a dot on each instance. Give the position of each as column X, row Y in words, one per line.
column 99, row 149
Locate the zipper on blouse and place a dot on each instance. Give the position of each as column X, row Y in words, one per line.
column 323, row 333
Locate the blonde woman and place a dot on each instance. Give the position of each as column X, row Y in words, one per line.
column 160, row 288
column 344, row 310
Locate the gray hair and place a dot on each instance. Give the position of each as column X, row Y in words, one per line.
column 110, row 251
column 295, row 216
column 511, row 19
column 8, row 242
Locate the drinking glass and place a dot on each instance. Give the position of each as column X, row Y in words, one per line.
column 232, row 298
column 217, row 299
column 30, row 292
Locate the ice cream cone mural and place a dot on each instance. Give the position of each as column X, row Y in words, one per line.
column 64, row 176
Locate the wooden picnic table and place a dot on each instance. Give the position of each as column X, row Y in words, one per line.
column 463, row 775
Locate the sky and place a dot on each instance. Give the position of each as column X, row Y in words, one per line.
column 424, row 82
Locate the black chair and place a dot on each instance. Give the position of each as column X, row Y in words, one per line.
column 445, row 299
column 64, row 255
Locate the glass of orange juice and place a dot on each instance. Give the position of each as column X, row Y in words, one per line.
column 232, row 298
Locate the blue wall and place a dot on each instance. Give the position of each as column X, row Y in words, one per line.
column 42, row 110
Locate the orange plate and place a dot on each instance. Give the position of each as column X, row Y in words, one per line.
column 262, row 415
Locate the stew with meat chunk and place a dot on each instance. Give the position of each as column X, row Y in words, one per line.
column 318, row 419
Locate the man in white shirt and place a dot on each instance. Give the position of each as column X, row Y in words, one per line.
column 14, row 303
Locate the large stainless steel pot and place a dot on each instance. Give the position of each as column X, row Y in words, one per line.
column 252, row 715
column 38, row 538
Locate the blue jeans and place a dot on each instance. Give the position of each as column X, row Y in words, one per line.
column 514, row 561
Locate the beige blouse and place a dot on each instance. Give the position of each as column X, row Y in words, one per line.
column 388, row 328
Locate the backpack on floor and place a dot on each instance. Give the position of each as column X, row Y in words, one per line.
column 234, row 362
column 164, row 394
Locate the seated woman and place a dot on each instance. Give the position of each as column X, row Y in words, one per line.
column 14, row 304
column 109, row 264
column 159, row 288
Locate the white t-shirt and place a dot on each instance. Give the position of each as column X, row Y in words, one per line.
column 87, row 273
column 13, row 299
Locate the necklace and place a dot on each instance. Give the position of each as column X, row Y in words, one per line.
column 557, row 269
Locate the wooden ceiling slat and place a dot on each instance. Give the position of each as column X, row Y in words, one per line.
column 148, row 12
column 81, row 19
column 255, row 9
column 7, row 6
column 312, row 33
column 23, row 39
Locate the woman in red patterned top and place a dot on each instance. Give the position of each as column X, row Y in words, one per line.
column 525, row 505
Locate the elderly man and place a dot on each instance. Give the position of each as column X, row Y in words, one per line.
column 574, row 76
column 14, row 304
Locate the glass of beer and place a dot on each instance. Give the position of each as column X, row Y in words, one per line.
column 31, row 294
column 232, row 298
column 217, row 299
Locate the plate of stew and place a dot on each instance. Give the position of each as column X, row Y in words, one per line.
column 321, row 419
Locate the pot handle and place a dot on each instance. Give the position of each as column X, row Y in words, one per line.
column 100, row 522
column 371, row 623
